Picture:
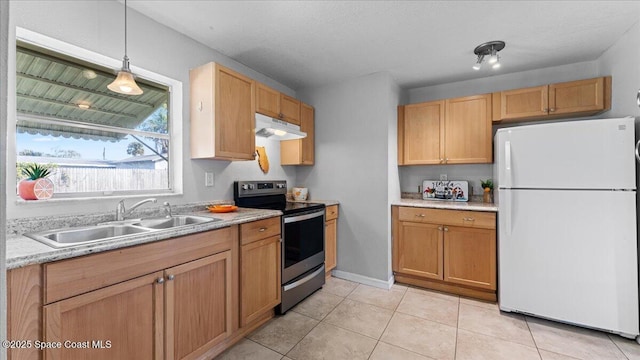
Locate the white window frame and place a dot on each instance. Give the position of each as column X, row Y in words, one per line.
column 174, row 106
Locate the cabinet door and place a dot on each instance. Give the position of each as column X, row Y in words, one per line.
column 234, row 115
column 524, row 103
column 260, row 264
column 470, row 257
column 222, row 113
column 467, row 130
column 330, row 245
column 300, row 152
column 420, row 250
column 290, row 109
column 307, row 125
column 422, row 130
column 577, row 96
column 199, row 307
column 267, row 101
column 123, row 321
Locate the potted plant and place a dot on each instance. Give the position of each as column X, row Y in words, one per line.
column 36, row 186
column 487, row 185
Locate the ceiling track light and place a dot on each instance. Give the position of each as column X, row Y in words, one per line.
column 491, row 50
column 125, row 82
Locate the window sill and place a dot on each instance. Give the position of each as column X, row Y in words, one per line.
column 71, row 200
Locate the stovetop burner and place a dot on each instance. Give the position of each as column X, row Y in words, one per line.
column 269, row 195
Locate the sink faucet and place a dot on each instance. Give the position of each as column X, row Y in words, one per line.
column 167, row 209
column 121, row 213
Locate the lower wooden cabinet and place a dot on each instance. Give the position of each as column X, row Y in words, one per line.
column 259, row 277
column 173, row 299
column 123, row 321
column 198, row 305
column 330, row 238
column 447, row 250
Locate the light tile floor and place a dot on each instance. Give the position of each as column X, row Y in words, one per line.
column 351, row 321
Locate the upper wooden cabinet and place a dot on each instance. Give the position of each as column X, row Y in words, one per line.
column 301, row 151
column 451, row 131
column 272, row 103
column 222, row 114
column 574, row 98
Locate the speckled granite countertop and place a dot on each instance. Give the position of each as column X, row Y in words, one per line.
column 449, row 205
column 23, row 251
column 326, row 202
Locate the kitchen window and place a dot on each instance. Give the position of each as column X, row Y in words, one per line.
column 97, row 142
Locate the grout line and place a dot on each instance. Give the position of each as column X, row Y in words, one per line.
column 532, row 337
column 455, row 347
column 616, row 344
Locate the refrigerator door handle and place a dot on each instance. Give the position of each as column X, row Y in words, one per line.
column 507, row 163
column 505, row 197
column 637, row 151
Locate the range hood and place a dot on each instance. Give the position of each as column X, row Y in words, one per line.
column 277, row 129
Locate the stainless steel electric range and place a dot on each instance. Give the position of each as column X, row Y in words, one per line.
column 302, row 237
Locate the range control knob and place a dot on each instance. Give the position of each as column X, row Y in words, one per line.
column 251, row 187
column 281, row 186
column 247, row 186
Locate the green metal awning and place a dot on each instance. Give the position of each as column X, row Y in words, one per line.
column 51, row 87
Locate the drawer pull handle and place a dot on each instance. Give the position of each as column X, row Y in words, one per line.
column 171, row 277
column 262, row 229
column 160, row 280
column 419, row 215
column 468, row 219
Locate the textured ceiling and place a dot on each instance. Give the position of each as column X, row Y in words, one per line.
column 420, row 43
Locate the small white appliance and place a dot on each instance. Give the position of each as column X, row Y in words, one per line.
column 567, row 245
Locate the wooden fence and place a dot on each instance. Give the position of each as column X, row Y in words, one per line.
column 70, row 179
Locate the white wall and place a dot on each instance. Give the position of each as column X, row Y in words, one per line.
column 98, row 26
column 352, row 124
column 4, row 39
column 622, row 62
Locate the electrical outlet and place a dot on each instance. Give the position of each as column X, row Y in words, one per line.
column 443, row 176
column 209, row 179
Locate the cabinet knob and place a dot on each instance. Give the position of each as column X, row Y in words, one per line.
column 446, row 228
column 441, row 160
column 160, row 280
column 170, row 277
column 468, row 219
column 199, row 105
column 545, row 110
column 446, row 160
column 262, row 229
column 552, row 110
column 440, row 228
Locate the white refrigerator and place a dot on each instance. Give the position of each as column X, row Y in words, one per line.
column 567, row 244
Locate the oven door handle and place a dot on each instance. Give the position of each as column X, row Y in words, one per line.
column 304, row 279
column 290, row 219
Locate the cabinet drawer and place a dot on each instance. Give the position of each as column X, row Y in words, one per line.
column 331, row 212
column 475, row 219
column 260, row 229
column 67, row 278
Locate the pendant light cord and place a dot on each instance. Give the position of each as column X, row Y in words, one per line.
column 125, row 28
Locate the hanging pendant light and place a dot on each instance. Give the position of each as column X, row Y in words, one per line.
column 125, row 82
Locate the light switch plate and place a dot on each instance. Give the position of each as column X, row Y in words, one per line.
column 209, row 179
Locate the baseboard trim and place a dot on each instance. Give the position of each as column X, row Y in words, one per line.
column 364, row 279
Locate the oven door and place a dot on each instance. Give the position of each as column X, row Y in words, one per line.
column 303, row 243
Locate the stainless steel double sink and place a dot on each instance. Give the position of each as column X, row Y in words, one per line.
column 61, row 238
